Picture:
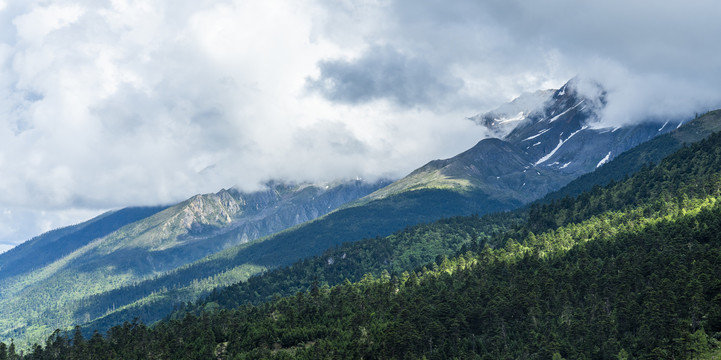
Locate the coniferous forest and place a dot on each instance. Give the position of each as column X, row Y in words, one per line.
column 626, row 271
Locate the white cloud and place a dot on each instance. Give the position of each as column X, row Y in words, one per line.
column 638, row 96
column 6, row 247
column 40, row 22
column 22, row 223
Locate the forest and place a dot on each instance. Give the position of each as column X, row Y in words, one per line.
column 625, row 271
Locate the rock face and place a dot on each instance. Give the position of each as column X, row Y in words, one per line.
column 208, row 223
column 544, row 140
column 230, row 217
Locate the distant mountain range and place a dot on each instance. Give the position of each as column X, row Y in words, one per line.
column 130, row 245
column 143, row 261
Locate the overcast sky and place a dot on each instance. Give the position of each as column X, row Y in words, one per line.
column 106, row 104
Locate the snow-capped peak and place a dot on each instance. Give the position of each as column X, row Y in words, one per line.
column 507, row 117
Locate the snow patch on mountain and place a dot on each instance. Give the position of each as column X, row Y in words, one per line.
column 502, row 120
column 537, row 135
column 564, row 113
column 560, row 143
column 604, row 160
column 520, row 116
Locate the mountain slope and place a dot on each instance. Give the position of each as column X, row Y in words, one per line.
column 354, row 222
column 389, row 252
column 152, row 246
column 393, row 253
column 51, row 246
column 150, row 261
column 626, row 271
column 495, row 175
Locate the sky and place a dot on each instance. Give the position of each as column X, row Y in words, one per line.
column 107, row 104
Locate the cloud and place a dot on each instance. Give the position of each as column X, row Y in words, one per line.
column 653, row 58
column 634, row 97
column 105, row 104
column 383, row 73
column 111, row 104
column 37, row 24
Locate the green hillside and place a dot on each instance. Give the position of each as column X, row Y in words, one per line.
column 53, row 245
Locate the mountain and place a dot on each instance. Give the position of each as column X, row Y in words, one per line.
column 418, row 245
column 381, row 213
column 650, row 152
column 147, row 267
column 625, row 271
column 131, row 245
column 548, row 139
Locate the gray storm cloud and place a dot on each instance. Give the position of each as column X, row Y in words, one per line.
column 383, row 73
column 105, row 104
